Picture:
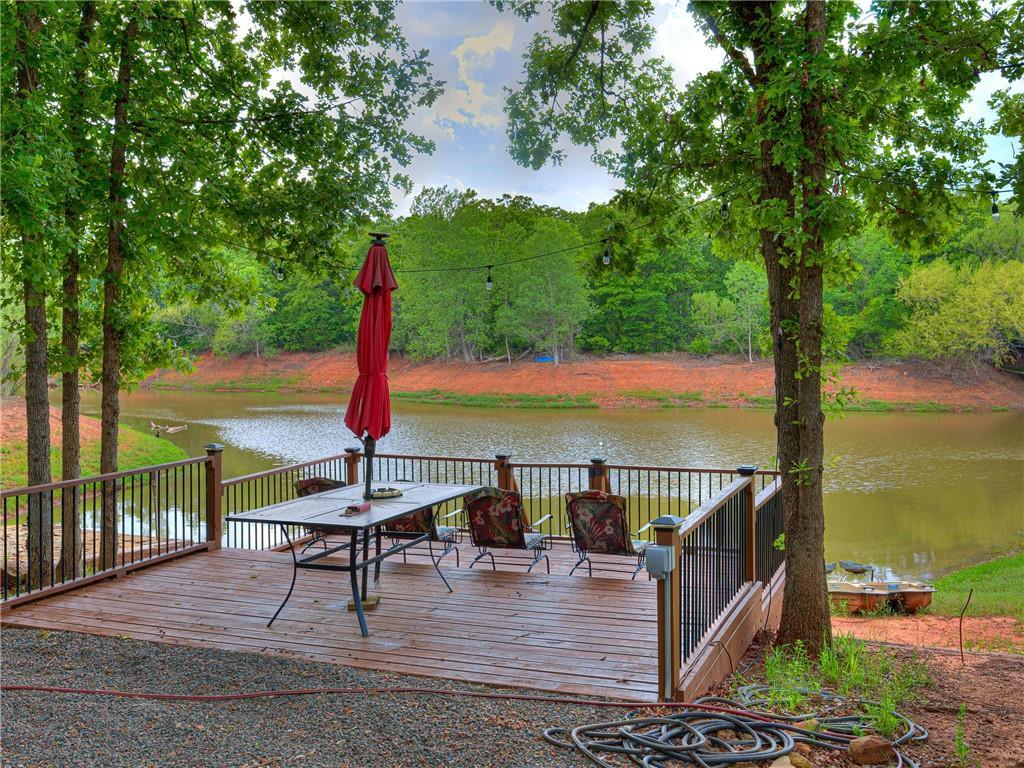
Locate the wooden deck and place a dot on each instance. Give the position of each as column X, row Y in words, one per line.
column 573, row 635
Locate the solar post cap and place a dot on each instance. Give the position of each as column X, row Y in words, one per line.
column 747, row 469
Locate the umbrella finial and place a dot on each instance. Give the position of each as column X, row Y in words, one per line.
column 379, row 237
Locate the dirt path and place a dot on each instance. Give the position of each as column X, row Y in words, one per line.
column 981, row 633
column 610, row 382
column 13, row 424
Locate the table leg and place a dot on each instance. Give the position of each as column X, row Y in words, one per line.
column 430, row 547
column 376, row 566
column 355, row 586
column 295, row 570
column 366, row 556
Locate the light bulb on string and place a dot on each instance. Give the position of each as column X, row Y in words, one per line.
column 606, row 259
column 995, row 207
column 837, row 185
column 490, row 282
column 724, row 210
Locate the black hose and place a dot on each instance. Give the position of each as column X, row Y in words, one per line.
column 715, row 739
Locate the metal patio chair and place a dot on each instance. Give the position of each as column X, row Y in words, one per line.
column 599, row 525
column 308, row 487
column 417, row 522
column 497, row 520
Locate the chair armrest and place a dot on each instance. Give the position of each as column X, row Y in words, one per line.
column 644, row 528
column 542, row 520
column 458, row 511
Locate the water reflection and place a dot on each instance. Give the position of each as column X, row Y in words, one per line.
column 917, row 494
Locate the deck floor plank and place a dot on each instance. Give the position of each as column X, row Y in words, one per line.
column 572, row 635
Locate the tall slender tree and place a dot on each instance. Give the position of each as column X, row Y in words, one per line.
column 76, row 199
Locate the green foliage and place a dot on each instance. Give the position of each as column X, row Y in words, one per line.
column 882, row 682
column 496, row 401
column 961, row 749
column 959, row 314
column 996, row 585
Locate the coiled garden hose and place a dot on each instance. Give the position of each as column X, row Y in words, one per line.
column 732, row 733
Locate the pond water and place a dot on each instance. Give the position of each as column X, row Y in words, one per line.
column 918, row 494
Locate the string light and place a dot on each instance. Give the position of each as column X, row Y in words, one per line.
column 606, row 259
column 837, row 185
column 490, row 282
column 995, row 206
column 724, row 210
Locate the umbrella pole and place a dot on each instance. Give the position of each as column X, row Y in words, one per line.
column 369, row 448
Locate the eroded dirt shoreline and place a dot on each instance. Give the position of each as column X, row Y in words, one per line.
column 607, row 382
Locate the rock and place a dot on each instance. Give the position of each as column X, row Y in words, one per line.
column 871, row 750
column 809, row 725
column 792, row 760
column 803, row 749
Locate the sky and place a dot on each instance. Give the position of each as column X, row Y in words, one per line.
column 478, row 51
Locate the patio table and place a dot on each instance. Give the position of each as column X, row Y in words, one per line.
column 326, row 511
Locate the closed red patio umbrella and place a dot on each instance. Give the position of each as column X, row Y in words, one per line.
column 369, row 409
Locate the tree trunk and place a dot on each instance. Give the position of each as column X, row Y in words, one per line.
column 70, row 565
column 110, row 409
column 792, row 291
column 805, row 609
column 37, row 406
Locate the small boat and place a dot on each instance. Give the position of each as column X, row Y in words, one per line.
column 905, row 596
column 830, row 567
column 856, row 598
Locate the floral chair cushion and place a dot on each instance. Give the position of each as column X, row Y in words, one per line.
column 496, row 518
column 312, row 485
column 598, row 522
column 416, row 522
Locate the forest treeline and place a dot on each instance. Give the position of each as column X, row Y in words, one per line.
column 960, row 302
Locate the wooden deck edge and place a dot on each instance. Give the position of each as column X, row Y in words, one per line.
column 723, row 649
column 754, row 609
column 56, row 589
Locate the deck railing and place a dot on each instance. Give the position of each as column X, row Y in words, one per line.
column 63, row 533
column 159, row 511
column 769, row 554
column 725, row 552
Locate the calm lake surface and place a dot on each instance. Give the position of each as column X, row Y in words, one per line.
column 918, row 494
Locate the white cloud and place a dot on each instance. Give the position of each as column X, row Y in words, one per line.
column 681, row 44
column 469, row 101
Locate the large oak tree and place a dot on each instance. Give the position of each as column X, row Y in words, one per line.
column 818, row 115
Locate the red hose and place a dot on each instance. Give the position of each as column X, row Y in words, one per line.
column 373, row 691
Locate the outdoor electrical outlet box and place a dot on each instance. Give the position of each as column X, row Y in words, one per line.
column 660, row 561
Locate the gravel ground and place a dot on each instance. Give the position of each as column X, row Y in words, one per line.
column 47, row 729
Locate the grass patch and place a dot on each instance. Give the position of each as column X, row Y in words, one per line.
column 442, row 397
column 879, row 680
column 760, row 401
column 883, row 406
column 996, row 584
column 664, row 397
column 135, row 449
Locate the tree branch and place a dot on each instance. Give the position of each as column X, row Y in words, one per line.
column 733, row 53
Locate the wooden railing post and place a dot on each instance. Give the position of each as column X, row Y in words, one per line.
column 352, row 459
column 506, row 480
column 670, row 610
column 214, row 494
column 598, row 474
column 749, row 523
